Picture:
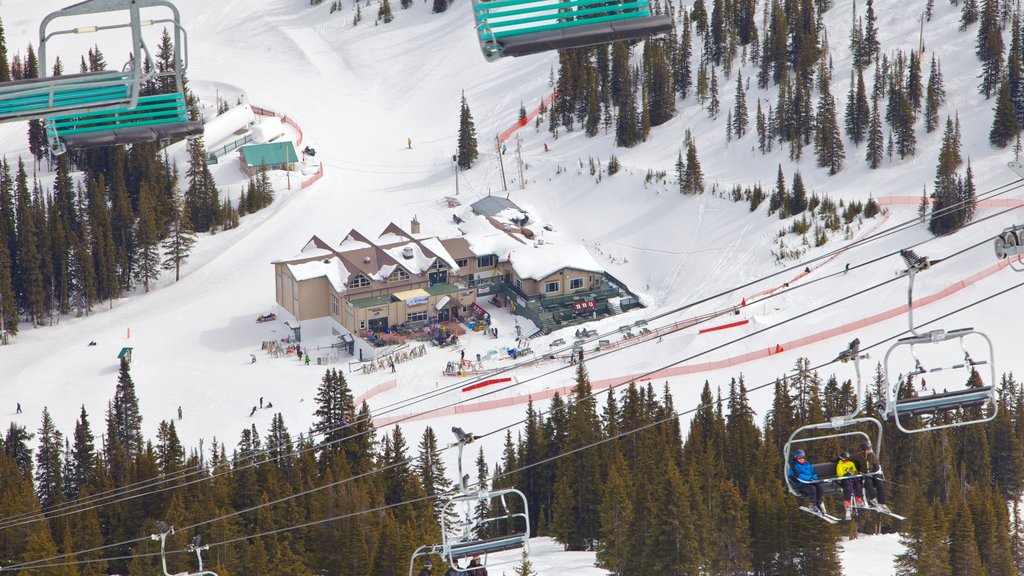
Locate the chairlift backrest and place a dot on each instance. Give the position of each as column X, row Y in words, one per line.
column 903, row 410
column 522, row 27
column 104, row 108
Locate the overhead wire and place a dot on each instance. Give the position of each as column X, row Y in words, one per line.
column 46, row 563
column 75, row 507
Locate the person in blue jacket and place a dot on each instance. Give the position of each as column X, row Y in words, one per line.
column 803, row 477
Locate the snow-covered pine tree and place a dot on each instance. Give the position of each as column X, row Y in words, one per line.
column 467, row 145
column 180, row 238
column 740, row 118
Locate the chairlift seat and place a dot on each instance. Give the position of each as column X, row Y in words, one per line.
column 522, row 27
column 36, row 97
column 159, row 117
column 461, row 550
column 964, row 398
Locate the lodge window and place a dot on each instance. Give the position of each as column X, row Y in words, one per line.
column 335, row 305
column 398, row 275
column 359, row 281
column 439, row 265
column 462, row 263
column 551, row 287
column 417, row 316
column 575, row 283
column 519, row 284
column 485, row 261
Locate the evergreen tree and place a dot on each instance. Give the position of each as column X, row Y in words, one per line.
column 431, row 471
column 125, row 419
column 335, row 415
column 875, row 139
column 963, row 548
column 828, row 142
column 683, row 73
column 946, row 212
column 28, row 282
column 858, row 111
column 798, row 199
column 658, row 84
column 989, row 47
column 147, row 239
column 935, row 96
column 713, row 104
column 101, row 240
column 968, row 14
column 5, row 68
column 577, row 488
column 201, row 195
column 1004, row 124
column 616, row 513
column 384, row 13
column 915, row 89
column 740, row 119
column 83, row 457
column 467, row 136
column 170, row 454
column 692, row 181
column 178, row 243
column 49, row 467
column 871, row 44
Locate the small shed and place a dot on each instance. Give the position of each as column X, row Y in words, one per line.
column 273, row 155
column 125, row 355
column 497, row 206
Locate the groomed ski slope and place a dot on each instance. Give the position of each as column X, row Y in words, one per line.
column 359, row 92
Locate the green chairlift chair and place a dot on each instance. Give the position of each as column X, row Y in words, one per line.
column 522, row 27
column 96, row 109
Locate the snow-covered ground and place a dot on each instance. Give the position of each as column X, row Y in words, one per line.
column 359, row 92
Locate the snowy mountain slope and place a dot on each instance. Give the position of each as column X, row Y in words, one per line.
column 359, row 92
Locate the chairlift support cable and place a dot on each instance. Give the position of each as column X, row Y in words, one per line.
column 43, row 563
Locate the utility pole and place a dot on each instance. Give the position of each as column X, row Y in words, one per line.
column 501, row 163
column 519, row 160
column 456, row 157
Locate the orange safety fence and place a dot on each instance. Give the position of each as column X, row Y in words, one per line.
column 265, row 112
column 382, row 387
column 504, row 136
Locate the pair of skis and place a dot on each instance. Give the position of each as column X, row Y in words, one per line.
column 835, row 520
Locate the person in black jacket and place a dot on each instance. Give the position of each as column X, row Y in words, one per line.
column 427, row 567
column 874, row 485
column 476, row 569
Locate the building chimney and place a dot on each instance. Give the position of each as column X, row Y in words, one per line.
column 415, row 225
column 407, row 253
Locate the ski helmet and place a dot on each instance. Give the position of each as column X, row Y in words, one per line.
column 799, row 454
column 844, row 455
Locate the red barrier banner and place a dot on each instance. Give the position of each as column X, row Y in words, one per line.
column 486, row 383
column 723, row 326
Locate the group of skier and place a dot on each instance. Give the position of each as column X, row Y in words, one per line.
column 859, row 476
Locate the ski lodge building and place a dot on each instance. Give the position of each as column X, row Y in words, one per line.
column 402, row 277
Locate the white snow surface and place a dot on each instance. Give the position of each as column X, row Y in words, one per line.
column 359, row 92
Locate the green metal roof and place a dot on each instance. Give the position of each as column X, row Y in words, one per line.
column 441, row 288
column 370, row 302
column 270, row 154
